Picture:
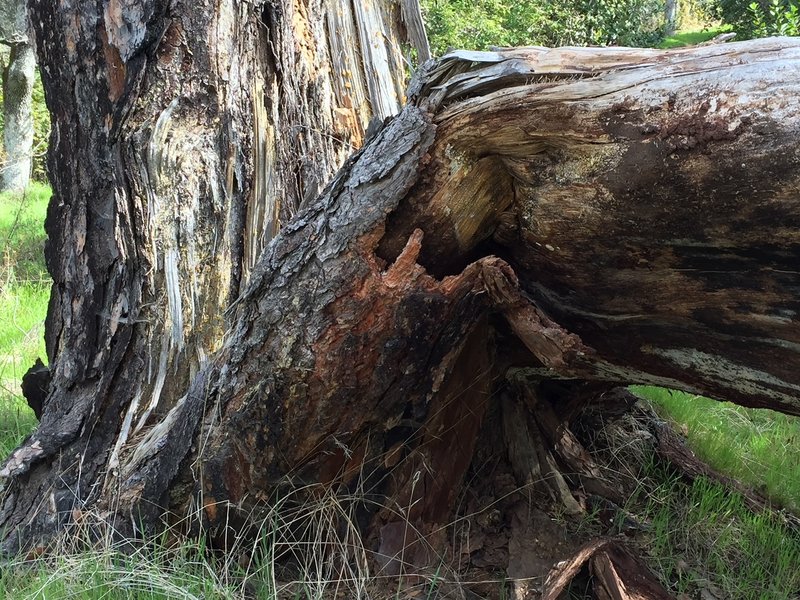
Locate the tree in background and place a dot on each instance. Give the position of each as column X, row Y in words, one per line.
column 41, row 128
column 18, row 78
column 671, row 12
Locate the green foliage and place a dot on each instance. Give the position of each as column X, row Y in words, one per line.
column 41, row 129
column 779, row 17
column 705, row 11
column 759, row 447
column 478, row 24
column 622, row 22
column 759, row 18
column 697, row 14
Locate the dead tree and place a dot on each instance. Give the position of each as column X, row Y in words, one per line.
column 533, row 227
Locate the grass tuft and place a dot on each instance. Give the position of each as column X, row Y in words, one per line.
column 181, row 573
column 706, row 542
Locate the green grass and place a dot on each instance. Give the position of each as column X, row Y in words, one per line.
column 16, row 422
column 759, row 447
column 692, row 37
column 705, row 542
column 182, row 574
column 22, row 234
column 24, row 293
column 317, row 537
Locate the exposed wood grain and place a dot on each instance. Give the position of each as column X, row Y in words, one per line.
column 622, row 178
column 620, row 576
column 565, row 571
column 183, row 136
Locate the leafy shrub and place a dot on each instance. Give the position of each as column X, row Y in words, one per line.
column 780, row 17
column 699, row 13
column 622, row 22
column 759, row 18
column 478, row 24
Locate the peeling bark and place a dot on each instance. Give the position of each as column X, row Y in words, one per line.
column 602, row 215
column 183, row 136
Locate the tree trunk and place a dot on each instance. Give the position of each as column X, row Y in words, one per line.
column 17, row 96
column 531, row 221
column 183, row 135
column 671, row 11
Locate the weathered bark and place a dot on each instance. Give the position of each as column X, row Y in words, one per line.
column 17, row 96
column 606, row 215
column 183, row 134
